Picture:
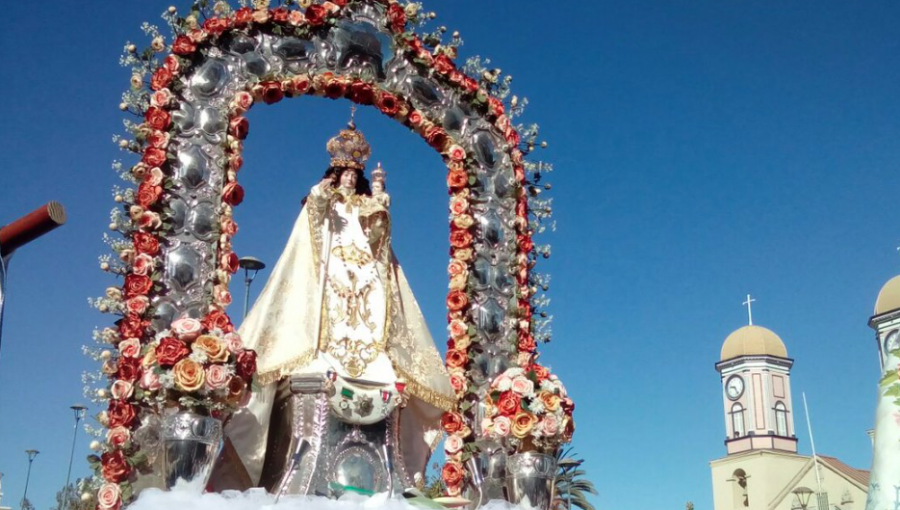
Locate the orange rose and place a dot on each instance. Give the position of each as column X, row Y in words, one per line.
column 551, row 401
column 189, row 375
column 215, row 350
column 452, row 473
column 522, row 424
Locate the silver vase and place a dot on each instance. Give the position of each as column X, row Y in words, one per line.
column 192, row 442
column 530, row 480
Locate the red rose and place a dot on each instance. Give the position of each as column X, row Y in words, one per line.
column 470, row 84
column 246, row 364
column 526, row 342
column 233, row 194
column 280, row 15
column 183, row 45
column 456, row 359
column 457, row 179
column 443, row 64
column 129, row 369
column 457, row 300
column 452, row 473
column 161, row 78
column 216, row 25
column 508, row 404
column 335, row 88
column 157, row 118
column 339, row 3
column 146, row 243
column 229, row 226
column 121, row 413
column 512, row 137
column 496, row 106
column 300, row 84
column 242, row 16
column 460, row 238
column 231, row 263
column 457, row 77
column 388, row 103
column 217, row 320
column 148, row 194
column 154, row 157
column 271, row 92
column 315, row 15
column 362, row 93
column 437, row 138
column 131, row 326
column 452, row 422
column 525, row 243
column 137, row 285
column 522, row 208
column 170, row 351
column 115, row 466
column 397, row 18
column 239, row 127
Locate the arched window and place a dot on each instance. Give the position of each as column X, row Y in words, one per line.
column 781, row 427
column 737, row 420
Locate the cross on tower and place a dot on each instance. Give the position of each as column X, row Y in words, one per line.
column 749, row 303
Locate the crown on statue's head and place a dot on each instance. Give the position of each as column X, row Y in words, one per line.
column 349, row 149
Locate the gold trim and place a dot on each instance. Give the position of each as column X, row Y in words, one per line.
column 284, row 369
column 427, row 395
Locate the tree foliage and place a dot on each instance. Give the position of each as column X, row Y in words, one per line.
column 571, row 485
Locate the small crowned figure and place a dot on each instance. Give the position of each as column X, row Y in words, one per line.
column 337, row 301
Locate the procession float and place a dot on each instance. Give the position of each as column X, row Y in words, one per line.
column 332, row 385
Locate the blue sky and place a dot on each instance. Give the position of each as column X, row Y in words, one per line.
column 704, row 150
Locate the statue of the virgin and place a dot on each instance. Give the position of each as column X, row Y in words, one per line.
column 337, row 301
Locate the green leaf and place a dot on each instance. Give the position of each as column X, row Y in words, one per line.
column 893, row 391
column 889, row 378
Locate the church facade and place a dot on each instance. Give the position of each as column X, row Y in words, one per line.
column 761, row 469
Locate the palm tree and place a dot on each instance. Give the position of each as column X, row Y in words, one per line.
column 571, row 486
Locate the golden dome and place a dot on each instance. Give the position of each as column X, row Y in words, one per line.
column 753, row 341
column 889, row 297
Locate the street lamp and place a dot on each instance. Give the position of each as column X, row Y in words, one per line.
column 251, row 265
column 78, row 410
column 803, row 494
column 31, row 455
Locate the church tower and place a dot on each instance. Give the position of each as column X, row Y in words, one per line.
column 756, row 392
column 884, row 482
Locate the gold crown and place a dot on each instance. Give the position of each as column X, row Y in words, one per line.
column 349, row 149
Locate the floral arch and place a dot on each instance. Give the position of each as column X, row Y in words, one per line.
column 176, row 256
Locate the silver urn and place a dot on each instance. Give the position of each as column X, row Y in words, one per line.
column 530, row 480
column 191, row 443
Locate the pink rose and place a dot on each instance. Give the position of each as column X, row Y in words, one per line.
column 522, row 386
column 143, row 265
column 150, row 220
column 187, row 329
column 222, row 296
column 487, row 426
column 456, row 267
column 502, row 426
column 150, row 381
column 172, row 64
column 233, row 342
column 243, row 101
column 130, row 348
column 118, row 436
column 459, row 205
column 296, row 18
column 121, row 390
column 156, row 176
column 217, row 377
column 138, row 304
column 161, row 98
column 456, row 153
column 549, row 426
column 453, row 444
column 457, row 328
column 109, row 497
column 158, row 139
column 457, row 383
column 502, row 123
column 415, row 118
column 502, row 383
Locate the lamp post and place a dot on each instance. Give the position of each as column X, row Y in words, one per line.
column 251, row 265
column 31, row 455
column 78, row 410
